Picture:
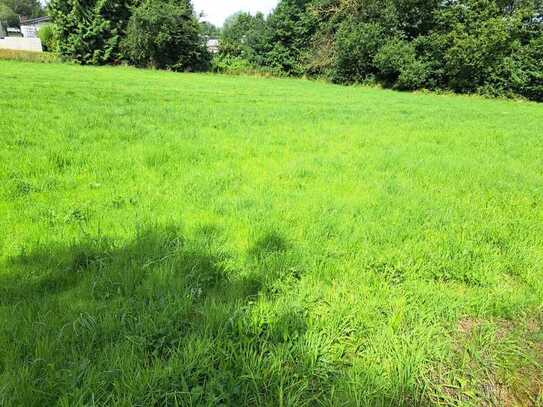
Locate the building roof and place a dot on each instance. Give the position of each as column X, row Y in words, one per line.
column 38, row 20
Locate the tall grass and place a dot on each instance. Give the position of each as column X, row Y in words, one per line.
column 29, row 56
column 181, row 239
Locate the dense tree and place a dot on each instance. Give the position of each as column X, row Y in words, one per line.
column 486, row 46
column 245, row 36
column 290, row 29
column 8, row 17
column 209, row 30
column 11, row 10
column 90, row 31
column 165, row 35
column 158, row 33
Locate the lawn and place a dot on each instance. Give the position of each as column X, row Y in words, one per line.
column 184, row 239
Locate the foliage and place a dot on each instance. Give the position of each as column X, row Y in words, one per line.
column 90, row 31
column 356, row 46
column 240, row 66
column 279, row 43
column 209, row 30
column 10, row 10
column 231, row 64
column 153, row 33
column 48, row 38
column 398, row 66
column 244, row 36
column 527, row 70
column 290, row 29
column 201, row 240
column 8, row 17
column 165, row 35
column 484, row 46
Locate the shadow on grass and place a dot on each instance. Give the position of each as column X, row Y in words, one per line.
column 175, row 318
column 163, row 319
column 49, row 269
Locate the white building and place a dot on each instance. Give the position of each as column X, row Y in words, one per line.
column 30, row 28
column 26, row 38
column 213, row 45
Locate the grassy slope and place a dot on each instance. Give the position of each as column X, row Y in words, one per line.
column 193, row 239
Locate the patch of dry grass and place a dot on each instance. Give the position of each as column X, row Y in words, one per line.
column 29, row 56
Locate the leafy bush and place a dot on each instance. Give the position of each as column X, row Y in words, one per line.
column 165, row 35
column 231, row 65
column 90, row 31
column 240, row 66
column 399, row 67
column 278, row 44
column 47, row 38
column 413, row 76
column 474, row 56
column 527, row 62
column 355, row 49
column 244, row 36
column 430, row 50
column 392, row 57
column 289, row 31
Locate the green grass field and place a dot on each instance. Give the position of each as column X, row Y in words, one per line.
column 182, row 239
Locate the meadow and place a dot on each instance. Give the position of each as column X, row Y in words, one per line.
column 195, row 239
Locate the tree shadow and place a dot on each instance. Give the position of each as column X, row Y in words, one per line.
column 50, row 269
column 161, row 319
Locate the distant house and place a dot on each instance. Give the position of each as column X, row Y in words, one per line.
column 13, row 32
column 30, row 27
column 25, row 38
column 213, row 45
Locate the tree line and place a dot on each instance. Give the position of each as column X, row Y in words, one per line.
column 492, row 47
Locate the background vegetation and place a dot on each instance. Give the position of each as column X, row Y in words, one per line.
column 177, row 239
column 152, row 33
column 165, row 34
column 490, row 47
column 487, row 46
column 10, row 10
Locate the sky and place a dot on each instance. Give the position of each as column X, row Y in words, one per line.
column 216, row 11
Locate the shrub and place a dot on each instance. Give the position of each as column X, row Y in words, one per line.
column 474, row 57
column 47, row 38
column 413, row 75
column 430, row 51
column 391, row 58
column 240, row 66
column 231, row 65
column 527, row 62
column 244, row 36
column 289, row 30
column 165, row 35
column 399, row 67
column 356, row 46
column 90, row 31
